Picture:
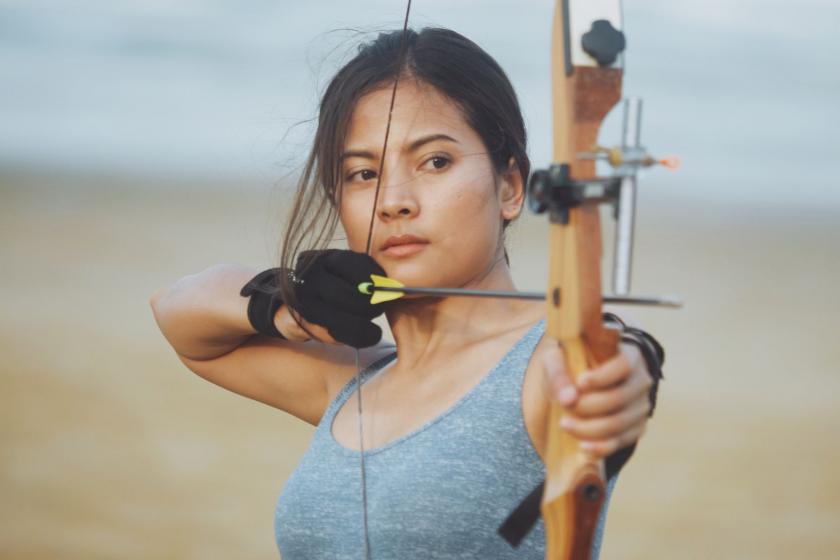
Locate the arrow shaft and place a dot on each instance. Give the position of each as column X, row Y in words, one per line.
column 461, row 292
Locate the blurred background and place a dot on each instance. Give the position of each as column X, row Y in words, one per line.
column 144, row 141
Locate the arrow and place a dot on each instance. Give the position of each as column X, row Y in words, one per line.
column 383, row 289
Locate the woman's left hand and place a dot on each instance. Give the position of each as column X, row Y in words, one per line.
column 608, row 408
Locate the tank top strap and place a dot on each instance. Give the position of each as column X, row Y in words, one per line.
column 350, row 386
column 509, row 373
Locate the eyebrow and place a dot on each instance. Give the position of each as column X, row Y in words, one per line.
column 410, row 148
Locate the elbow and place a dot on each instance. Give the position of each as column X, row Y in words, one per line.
column 155, row 298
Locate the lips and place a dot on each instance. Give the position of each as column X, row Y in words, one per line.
column 403, row 245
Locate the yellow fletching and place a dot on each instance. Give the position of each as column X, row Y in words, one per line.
column 380, row 296
column 385, row 281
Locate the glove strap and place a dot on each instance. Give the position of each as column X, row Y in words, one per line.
column 264, row 291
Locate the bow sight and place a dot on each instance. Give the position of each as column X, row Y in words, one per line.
column 554, row 190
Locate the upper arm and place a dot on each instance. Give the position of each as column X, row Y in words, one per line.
column 298, row 378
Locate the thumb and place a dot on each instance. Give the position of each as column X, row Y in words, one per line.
column 560, row 385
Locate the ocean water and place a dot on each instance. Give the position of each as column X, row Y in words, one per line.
column 745, row 92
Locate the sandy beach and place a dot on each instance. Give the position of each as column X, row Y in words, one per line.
column 112, row 449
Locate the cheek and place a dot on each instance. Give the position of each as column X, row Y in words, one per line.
column 474, row 201
column 469, row 212
column 354, row 215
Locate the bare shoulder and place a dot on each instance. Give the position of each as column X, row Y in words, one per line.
column 298, row 378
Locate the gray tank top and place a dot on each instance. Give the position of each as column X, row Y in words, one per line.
column 439, row 491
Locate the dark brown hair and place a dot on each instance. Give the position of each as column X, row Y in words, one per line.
column 441, row 58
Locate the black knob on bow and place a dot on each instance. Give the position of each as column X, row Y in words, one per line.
column 603, row 42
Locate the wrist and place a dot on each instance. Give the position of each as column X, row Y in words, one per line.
column 286, row 324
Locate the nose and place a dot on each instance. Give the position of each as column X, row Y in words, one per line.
column 397, row 201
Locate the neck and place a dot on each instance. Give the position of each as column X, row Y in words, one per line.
column 425, row 327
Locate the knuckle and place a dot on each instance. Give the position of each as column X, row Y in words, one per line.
column 613, row 424
column 631, row 437
column 609, row 446
column 627, row 370
column 615, row 400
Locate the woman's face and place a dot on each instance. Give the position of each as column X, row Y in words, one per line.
column 441, row 204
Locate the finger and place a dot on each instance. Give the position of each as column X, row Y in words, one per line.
column 339, row 293
column 359, row 334
column 313, row 310
column 346, row 328
column 309, row 258
column 559, row 384
column 612, row 400
column 321, row 334
column 313, row 331
column 603, row 448
column 603, row 427
column 323, row 286
column 287, row 323
column 352, row 267
column 613, row 371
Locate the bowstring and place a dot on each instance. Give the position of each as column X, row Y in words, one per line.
column 362, row 476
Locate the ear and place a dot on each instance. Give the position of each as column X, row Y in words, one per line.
column 512, row 191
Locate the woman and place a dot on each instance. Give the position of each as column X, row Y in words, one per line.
column 453, row 422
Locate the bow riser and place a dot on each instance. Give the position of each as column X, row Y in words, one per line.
column 583, row 95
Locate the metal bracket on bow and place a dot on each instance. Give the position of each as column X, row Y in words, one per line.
column 626, row 161
column 554, row 191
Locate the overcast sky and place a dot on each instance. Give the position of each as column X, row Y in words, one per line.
column 744, row 91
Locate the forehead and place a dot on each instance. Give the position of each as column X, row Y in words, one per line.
column 419, row 108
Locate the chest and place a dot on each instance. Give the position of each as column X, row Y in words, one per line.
column 397, row 403
column 438, row 488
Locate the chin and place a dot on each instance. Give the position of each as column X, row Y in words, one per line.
column 416, row 271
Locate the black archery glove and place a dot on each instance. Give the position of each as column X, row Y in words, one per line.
column 327, row 289
column 326, row 293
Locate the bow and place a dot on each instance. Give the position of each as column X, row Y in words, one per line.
column 587, row 46
column 587, row 56
column 586, row 83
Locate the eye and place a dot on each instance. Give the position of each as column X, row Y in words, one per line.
column 437, row 163
column 362, row 175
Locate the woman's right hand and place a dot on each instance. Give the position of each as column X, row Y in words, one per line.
column 329, row 306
